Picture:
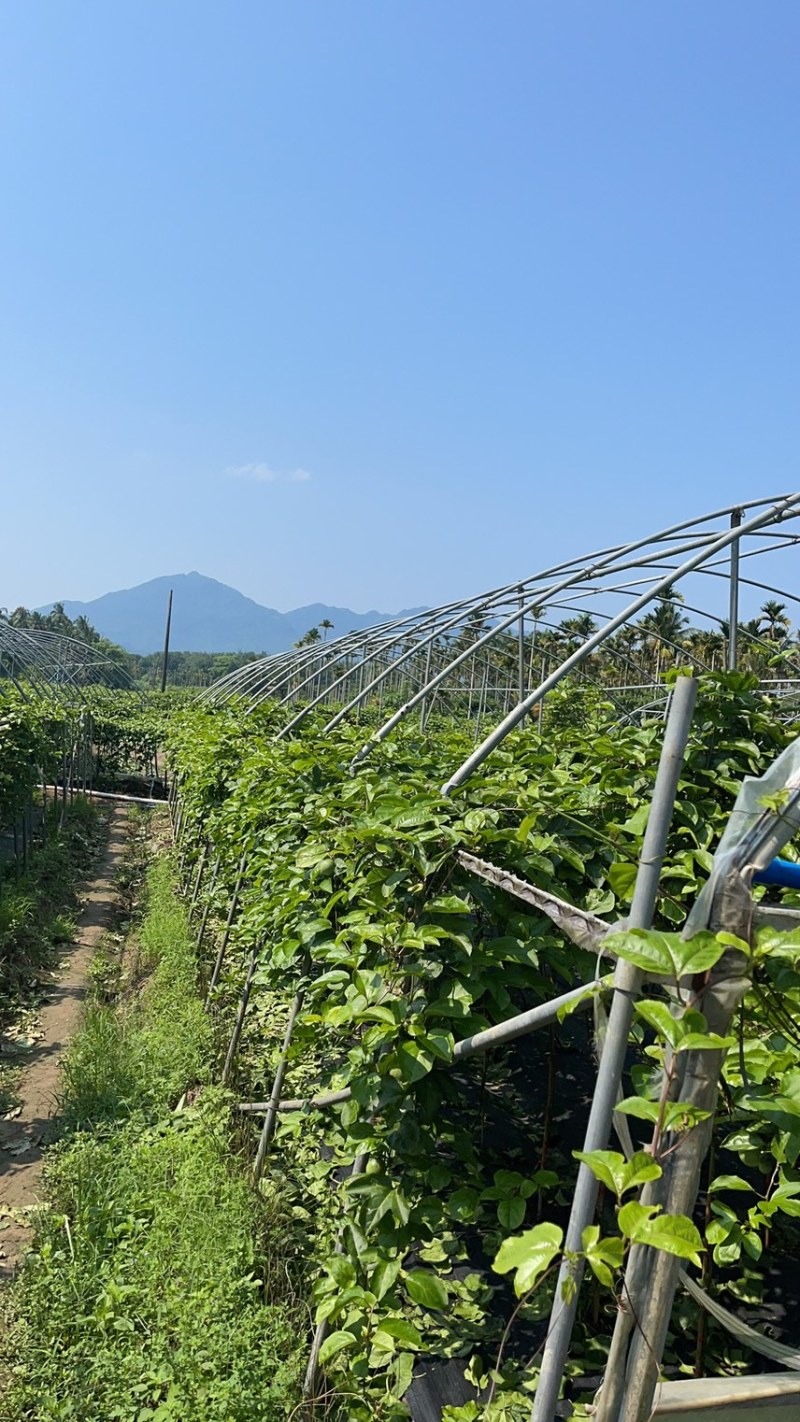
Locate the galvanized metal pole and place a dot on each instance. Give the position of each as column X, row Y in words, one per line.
column 323, row 1327
column 733, row 604
column 627, row 984
column 207, row 906
column 521, row 649
column 244, row 1000
column 422, row 706
column 198, row 878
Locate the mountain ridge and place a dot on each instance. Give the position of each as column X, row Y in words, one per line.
column 208, row 616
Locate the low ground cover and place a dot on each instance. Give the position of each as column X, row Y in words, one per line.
column 157, row 1285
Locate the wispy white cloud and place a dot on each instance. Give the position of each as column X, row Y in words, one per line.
column 265, row 474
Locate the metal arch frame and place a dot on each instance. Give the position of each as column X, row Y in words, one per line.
column 774, row 513
column 76, row 657
column 317, row 655
column 482, row 604
column 50, row 664
column 31, row 668
column 422, row 652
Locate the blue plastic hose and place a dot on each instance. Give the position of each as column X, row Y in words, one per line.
column 780, row 871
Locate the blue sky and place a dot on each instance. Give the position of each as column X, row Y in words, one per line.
column 453, row 288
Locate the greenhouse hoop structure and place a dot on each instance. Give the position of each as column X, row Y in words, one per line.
column 47, row 665
column 493, row 658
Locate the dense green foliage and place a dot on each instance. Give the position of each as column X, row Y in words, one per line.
column 361, row 915
column 31, row 736
column 127, row 730
column 354, row 892
column 186, row 668
column 145, row 1295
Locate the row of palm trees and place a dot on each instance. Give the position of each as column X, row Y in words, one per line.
column 54, row 621
column 641, row 651
column 312, row 635
column 665, row 638
column 638, row 653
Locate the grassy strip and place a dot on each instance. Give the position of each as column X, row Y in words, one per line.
column 157, row 1286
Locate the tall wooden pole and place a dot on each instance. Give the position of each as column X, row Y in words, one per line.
column 166, row 643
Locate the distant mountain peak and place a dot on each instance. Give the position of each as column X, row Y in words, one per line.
column 207, row 616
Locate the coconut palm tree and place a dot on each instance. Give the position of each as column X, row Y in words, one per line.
column 774, row 622
column 84, row 630
column 663, row 627
column 578, row 630
column 327, row 626
column 309, row 637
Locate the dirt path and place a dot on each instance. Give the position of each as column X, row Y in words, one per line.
column 23, row 1139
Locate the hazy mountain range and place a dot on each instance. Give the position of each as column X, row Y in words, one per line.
column 207, row 616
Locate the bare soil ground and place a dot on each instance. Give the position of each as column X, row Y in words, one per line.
column 24, row 1138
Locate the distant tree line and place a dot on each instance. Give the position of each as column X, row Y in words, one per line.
column 79, row 628
column 767, row 645
column 185, row 668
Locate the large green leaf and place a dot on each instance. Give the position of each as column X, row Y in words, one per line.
column 674, row 1234
column 336, row 1343
column 529, row 1255
column 426, row 1289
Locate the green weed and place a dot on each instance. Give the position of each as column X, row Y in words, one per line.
column 144, row 1296
column 157, row 1287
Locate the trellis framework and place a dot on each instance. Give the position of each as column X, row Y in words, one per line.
column 490, row 656
column 55, row 671
column 46, row 664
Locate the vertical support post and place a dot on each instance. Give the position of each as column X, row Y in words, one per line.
column 63, row 780
column 541, row 699
column 166, row 643
column 321, row 1331
column 233, row 1045
column 198, row 878
column 733, row 602
column 627, row 985
column 271, row 1118
column 521, row 648
column 533, row 651
column 424, row 701
column 471, row 686
column 652, row 1275
column 220, row 958
column 207, row 908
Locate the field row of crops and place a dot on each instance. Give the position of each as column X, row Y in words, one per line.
column 360, row 952
column 350, row 955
